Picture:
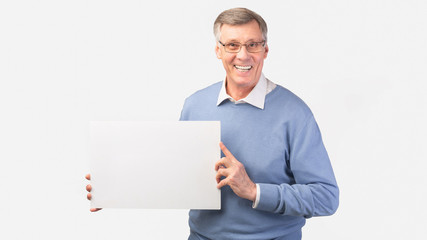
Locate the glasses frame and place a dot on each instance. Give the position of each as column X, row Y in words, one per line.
column 243, row 44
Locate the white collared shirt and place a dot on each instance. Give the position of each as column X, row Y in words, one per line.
column 257, row 99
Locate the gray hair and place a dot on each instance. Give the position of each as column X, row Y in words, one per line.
column 238, row 16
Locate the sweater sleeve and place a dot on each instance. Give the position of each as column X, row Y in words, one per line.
column 184, row 111
column 315, row 192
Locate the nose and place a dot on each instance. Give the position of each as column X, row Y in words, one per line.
column 243, row 53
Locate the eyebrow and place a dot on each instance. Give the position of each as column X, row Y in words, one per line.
column 232, row 40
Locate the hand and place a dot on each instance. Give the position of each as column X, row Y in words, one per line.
column 235, row 175
column 89, row 195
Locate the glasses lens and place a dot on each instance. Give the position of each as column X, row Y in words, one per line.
column 232, row 47
column 254, row 47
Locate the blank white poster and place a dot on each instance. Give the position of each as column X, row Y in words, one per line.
column 161, row 165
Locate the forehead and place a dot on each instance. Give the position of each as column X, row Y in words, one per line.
column 242, row 33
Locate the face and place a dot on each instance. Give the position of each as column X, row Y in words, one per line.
column 243, row 69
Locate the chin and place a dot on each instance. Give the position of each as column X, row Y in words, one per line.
column 245, row 81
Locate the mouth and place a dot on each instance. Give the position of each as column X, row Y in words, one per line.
column 243, row 68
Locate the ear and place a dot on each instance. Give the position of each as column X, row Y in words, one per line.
column 265, row 51
column 218, row 51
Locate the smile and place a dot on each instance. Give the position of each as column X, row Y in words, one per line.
column 243, row 68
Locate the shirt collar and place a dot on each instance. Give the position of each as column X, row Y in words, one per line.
column 255, row 98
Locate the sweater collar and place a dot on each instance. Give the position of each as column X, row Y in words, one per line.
column 255, row 98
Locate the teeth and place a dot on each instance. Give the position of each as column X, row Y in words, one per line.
column 243, row 68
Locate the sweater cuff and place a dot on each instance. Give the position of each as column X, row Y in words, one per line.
column 269, row 199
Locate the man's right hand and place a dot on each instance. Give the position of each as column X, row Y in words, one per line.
column 89, row 195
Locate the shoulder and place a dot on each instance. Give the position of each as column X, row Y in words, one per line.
column 200, row 101
column 207, row 93
column 290, row 109
column 282, row 99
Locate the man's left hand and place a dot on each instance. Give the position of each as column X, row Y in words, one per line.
column 235, row 175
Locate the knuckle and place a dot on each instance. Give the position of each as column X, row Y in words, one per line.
column 231, row 178
column 224, row 182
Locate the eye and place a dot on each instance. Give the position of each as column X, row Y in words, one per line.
column 233, row 46
column 253, row 45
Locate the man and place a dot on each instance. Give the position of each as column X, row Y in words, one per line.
column 275, row 171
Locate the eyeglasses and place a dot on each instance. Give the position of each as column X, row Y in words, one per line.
column 252, row 47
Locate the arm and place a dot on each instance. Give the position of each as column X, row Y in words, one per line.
column 315, row 192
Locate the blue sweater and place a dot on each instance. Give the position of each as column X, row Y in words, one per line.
column 282, row 151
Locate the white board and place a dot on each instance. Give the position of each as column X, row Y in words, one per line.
column 168, row 165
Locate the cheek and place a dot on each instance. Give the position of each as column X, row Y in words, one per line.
column 259, row 61
column 228, row 60
column 226, row 64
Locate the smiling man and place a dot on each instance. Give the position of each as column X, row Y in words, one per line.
column 275, row 171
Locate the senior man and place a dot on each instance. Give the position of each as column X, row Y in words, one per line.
column 275, row 171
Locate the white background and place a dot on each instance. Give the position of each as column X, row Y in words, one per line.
column 360, row 65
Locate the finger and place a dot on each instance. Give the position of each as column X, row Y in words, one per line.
column 88, row 188
column 88, row 176
column 89, row 196
column 95, row 209
column 223, row 162
column 223, row 172
column 225, row 150
column 222, row 183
